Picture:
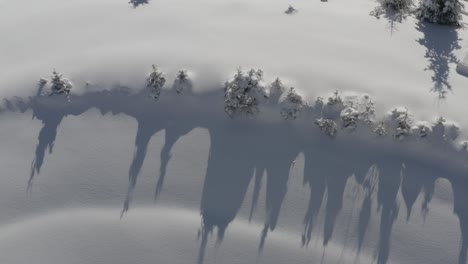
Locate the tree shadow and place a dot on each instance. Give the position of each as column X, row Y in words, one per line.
column 243, row 148
column 388, row 186
column 440, row 42
column 393, row 17
column 231, row 165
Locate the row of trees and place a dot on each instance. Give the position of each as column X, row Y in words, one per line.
column 247, row 91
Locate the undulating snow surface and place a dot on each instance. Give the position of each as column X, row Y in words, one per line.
column 110, row 175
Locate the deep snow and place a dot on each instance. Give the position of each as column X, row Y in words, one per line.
column 267, row 190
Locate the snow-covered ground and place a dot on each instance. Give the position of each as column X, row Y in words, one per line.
column 81, row 176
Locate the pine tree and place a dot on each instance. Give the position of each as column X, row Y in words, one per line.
column 397, row 5
column 243, row 93
column 446, row 12
column 182, row 82
column 59, row 85
column 155, row 83
column 276, row 90
column 292, row 105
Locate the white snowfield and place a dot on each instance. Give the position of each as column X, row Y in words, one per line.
column 111, row 176
column 462, row 66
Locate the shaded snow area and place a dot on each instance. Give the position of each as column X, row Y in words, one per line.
column 128, row 136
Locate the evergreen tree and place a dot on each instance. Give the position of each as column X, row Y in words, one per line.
column 243, row 93
column 59, row 85
column 182, row 82
column 292, row 105
column 397, row 5
column 446, row 12
column 155, row 83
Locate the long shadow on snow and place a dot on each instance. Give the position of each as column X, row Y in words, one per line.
column 239, row 147
column 440, row 42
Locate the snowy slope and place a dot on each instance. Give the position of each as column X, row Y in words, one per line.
column 226, row 190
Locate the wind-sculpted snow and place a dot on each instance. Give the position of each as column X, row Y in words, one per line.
column 402, row 156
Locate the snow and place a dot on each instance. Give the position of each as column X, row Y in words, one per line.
column 192, row 185
column 462, row 66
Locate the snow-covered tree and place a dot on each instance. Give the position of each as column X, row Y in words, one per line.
column 349, row 118
column 438, row 128
column 155, row 82
column 356, row 110
column 182, row 82
column 332, row 109
column 447, row 12
column 277, row 88
column 59, row 84
column 292, row 105
column 397, row 5
column 244, row 93
column 401, row 122
column 327, row 126
column 422, row 130
column 380, row 129
column 452, row 132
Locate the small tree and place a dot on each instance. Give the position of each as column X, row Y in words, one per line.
column 422, row 130
column 446, row 12
column 155, row 83
column 182, row 82
column 349, row 118
column 357, row 110
column 401, row 122
column 276, row 90
column 380, row 129
column 397, row 5
column 292, row 105
column 333, row 108
column 327, row 126
column 59, row 85
column 243, row 93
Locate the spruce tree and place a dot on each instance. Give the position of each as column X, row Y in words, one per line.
column 446, row 12
column 59, row 85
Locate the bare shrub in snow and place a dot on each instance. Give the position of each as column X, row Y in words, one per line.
column 59, row 85
column 243, row 93
column 447, row 12
column 182, row 82
column 292, row 105
column 155, row 83
column 291, row 10
column 327, row 126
